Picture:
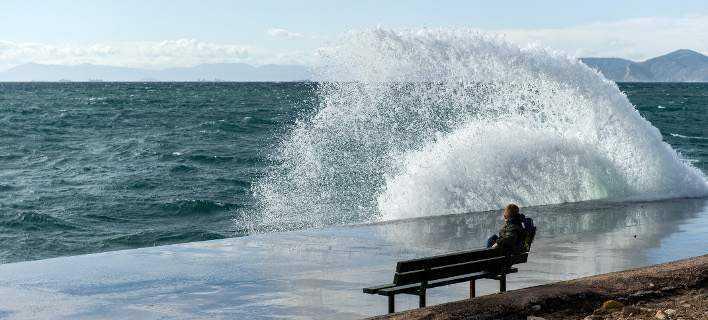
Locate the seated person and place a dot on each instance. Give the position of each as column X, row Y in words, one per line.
column 511, row 235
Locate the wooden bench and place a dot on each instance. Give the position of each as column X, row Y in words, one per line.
column 417, row 275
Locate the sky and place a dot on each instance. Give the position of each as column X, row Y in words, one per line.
column 160, row 34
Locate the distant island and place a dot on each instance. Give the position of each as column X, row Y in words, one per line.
column 678, row 66
column 204, row 72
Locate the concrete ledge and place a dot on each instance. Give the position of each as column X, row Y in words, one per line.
column 584, row 293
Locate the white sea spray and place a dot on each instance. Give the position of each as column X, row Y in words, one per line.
column 436, row 121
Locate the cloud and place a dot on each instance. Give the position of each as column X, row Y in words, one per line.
column 143, row 54
column 637, row 39
column 282, row 33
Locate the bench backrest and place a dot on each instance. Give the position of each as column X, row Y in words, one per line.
column 454, row 264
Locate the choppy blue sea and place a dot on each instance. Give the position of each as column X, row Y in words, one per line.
column 90, row 167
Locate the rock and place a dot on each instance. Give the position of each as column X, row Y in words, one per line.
column 599, row 312
column 534, row 318
column 660, row 315
column 670, row 312
column 611, row 305
column 631, row 310
column 593, row 317
column 686, row 305
column 643, row 294
column 608, row 306
column 651, row 285
column 536, row 307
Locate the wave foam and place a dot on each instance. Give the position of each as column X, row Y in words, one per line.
column 427, row 122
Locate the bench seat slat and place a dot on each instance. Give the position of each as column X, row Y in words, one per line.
column 438, row 283
column 409, row 288
column 413, row 288
column 465, row 278
column 374, row 290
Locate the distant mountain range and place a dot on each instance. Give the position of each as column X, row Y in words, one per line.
column 203, row 72
column 678, row 66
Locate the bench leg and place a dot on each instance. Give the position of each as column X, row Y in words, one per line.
column 391, row 304
column 502, row 283
column 421, row 293
column 472, row 288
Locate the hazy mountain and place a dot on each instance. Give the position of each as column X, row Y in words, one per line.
column 678, row 66
column 204, row 72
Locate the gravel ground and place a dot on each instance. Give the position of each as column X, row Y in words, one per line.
column 683, row 304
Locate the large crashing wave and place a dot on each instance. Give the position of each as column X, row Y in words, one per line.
column 430, row 122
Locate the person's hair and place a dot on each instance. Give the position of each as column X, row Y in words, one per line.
column 511, row 210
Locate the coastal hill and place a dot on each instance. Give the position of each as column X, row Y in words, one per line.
column 204, row 72
column 678, row 66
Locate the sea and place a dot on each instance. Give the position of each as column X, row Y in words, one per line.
column 91, row 167
column 100, row 166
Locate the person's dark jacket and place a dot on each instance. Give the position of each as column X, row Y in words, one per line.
column 511, row 236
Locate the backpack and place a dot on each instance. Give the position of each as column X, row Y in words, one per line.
column 529, row 232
